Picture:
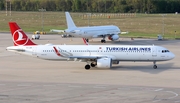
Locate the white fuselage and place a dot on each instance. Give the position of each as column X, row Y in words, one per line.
column 93, row 31
column 115, row 52
column 101, row 56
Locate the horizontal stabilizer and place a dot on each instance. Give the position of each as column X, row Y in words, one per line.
column 57, row 31
column 125, row 32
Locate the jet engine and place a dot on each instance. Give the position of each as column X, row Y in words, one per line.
column 113, row 37
column 104, row 63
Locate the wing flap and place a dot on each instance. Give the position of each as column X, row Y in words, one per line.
column 86, row 57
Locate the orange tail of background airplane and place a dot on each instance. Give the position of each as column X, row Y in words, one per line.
column 18, row 35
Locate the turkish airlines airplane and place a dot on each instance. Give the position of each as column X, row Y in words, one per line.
column 100, row 56
column 89, row 32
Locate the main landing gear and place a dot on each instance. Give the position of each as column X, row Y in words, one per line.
column 103, row 40
column 87, row 67
column 154, row 66
column 87, row 40
column 93, row 65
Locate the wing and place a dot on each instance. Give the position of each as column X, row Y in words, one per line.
column 100, row 35
column 77, row 58
column 105, row 34
column 85, row 58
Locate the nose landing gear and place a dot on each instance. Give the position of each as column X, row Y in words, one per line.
column 103, row 40
column 154, row 66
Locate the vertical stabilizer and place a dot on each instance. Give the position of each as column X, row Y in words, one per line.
column 70, row 22
column 18, row 35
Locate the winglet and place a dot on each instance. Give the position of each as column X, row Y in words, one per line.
column 56, row 51
column 70, row 22
column 85, row 42
column 18, row 35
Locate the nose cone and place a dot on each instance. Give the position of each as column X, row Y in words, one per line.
column 171, row 56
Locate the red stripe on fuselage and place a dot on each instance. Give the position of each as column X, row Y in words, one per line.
column 57, row 51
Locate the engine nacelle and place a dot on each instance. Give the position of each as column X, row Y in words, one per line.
column 113, row 37
column 104, row 63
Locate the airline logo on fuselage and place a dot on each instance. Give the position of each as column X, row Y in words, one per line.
column 128, row 48
column 19, row 38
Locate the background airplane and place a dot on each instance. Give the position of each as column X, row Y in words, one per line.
column 101, row 56
column 89, row 32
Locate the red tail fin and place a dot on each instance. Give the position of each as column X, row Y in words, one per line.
column 18, row 36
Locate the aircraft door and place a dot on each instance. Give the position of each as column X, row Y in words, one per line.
column 34, row 51
column 154, row 52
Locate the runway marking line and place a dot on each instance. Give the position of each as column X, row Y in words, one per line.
column 24, row 85
column 48, row 85
column 74, row 86
column 158, row 89
column 98, row 87
column 172, row 93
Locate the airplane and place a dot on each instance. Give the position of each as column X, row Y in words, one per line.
column 100, row 56
column 89, row 32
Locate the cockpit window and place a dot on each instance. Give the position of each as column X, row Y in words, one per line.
column 164, row 51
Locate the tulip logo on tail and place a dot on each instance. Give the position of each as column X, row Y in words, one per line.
column 19, row 38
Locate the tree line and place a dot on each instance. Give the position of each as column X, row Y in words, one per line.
column 110, row 6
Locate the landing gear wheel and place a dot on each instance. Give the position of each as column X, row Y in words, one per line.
column 103, row 41
column 155, row 66
column 87, row 40
column 87, row 67
column 93, row 65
